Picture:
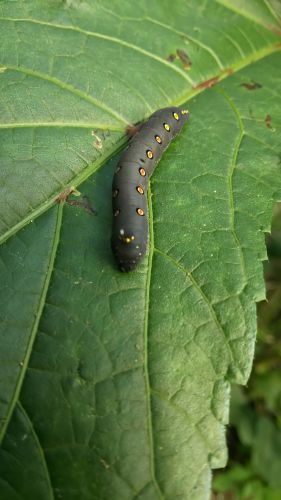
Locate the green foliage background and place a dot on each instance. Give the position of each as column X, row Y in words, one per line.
column 255, row 433
column 116, row 386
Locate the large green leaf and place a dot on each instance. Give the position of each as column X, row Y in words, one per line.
column 116, row 386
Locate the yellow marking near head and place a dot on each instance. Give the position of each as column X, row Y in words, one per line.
column 127, row 239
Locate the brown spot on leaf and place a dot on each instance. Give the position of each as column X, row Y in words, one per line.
column 268, row 122
column 184, row 58
column 275, row 30
column 171, row 57
column 207, row 83
column 251, row 86
column 84, row 203
column 132, row 130
column 67, row 192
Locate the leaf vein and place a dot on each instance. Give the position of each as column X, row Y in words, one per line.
column 191, row 39
column 109, row 38
column 69, row 88
column 230, row 175
column 40, row 449
column 37, row 317
column 208, row 303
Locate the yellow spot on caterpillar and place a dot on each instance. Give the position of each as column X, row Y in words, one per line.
column 142, row 172
column 166, row 127
column 140, row 190
column 184, row 112
column 158, row 139
column 149, row 154
column 127, row 239
column 176, row 116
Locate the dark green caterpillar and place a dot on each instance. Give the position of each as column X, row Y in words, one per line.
column 130, row 182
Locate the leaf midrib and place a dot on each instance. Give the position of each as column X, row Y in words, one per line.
column 146, row 350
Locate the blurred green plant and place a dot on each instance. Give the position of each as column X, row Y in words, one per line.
column 255, row 432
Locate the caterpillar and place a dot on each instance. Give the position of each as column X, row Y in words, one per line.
column 130, row 183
